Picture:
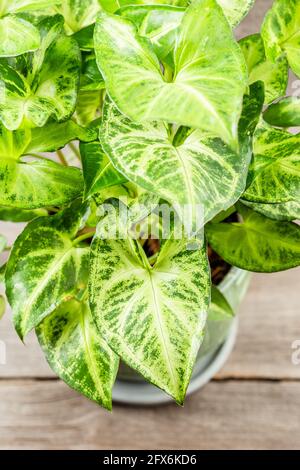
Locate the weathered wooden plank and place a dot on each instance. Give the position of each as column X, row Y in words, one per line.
column 228, row 415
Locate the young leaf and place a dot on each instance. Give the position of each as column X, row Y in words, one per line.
column 289, row 210
column 78, row 13
column 152, row 317
column 77, row 353
column 45, row 267
column 98, row 171
column 54, row 136
column 274, row 75
column 208, row 85
column 285, row 113
column 88, row 106
column 49, row 88
column 258, row 243
column 201, row 173
column 281, row 32
column 219, row 307
column 274, row 171
column 17, row 36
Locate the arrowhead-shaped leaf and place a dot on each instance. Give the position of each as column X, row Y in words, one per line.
column 153, row 317
column 201, row 173
column 49, row 88
column 274, row 75
column 281, row 32
column 134, row 80
column 236, row 10
column 17, row 36
column 285, row 113
column 257, row 244
column 77, row 352
column 45, row 267
column 98, row 171
column 274, row 172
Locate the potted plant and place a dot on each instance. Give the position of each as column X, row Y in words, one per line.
column 178, row 123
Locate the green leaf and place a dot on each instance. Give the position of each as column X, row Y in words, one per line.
column 20, row 215
column 46, row 266
column 88, row 106
column 274, row 174
column 40, row 183
column 91, row 78
column 85, row 38
column 258, row 244
column 201, row 173
column 98, row 171
column 12, row 6
column 285, row 113
column 77, row 353
column 79, row 13
column 208, row 86
column 219, row 307
column 281, row 32
column 17, row 36
column 274, row 75
column 152, row 317
column 54, row 136
column 49, row 87
column 236, row 10
column 158, row 23
column 289, row 210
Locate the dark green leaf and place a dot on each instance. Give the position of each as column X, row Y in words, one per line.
column 258, row 243
column 285, row 113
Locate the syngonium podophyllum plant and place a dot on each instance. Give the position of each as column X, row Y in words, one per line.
column 167, row 107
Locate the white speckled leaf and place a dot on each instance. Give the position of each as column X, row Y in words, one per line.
column 45, row 267
column 274, row 173
column 17, row 36
column 281, row 32
column 77, row 353
column 210, row 73
column 79, row 13
column 274, row 75
column 152, row 317
column 236, row 10
column 289, row 210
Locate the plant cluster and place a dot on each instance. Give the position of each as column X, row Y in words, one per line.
column 167, row 107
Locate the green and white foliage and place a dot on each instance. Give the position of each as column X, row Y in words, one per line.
column 47, row 265
column 281, row 32
column 284, row 113
column 258, row 243
column 77, row 352
column 113, row 114
column 274, row 172
column 47, row 85
column 207, row 88
column 274, row 75
column 151, row 316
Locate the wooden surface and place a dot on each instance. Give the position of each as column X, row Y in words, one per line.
column 253, row 403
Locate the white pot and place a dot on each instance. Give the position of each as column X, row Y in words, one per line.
column 219, row 340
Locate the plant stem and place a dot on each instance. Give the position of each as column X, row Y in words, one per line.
column 75, row 150
column 61, row 157
column 83, row 237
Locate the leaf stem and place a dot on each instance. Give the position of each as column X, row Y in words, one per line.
column 75, row 150
column 61, row 157
column 83, row 237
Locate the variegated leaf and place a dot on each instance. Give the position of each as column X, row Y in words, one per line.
column 258, row 243
column 202, row 173
column 281, row 32
column 208, row 86
column 77, row 352
column 91, row 79
column 274, row 75
column 78, row 13
column 17, row 36
column 88, row 106
column 152, row 316
column 274, row 174
column 289, row 210
column 49, row 88
column 236, row 10
column 20, row 215
column 14, row 6
column 47, row 265
column 98, row 171
column 285, row 113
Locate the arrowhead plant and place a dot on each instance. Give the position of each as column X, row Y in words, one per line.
column 136, row 138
